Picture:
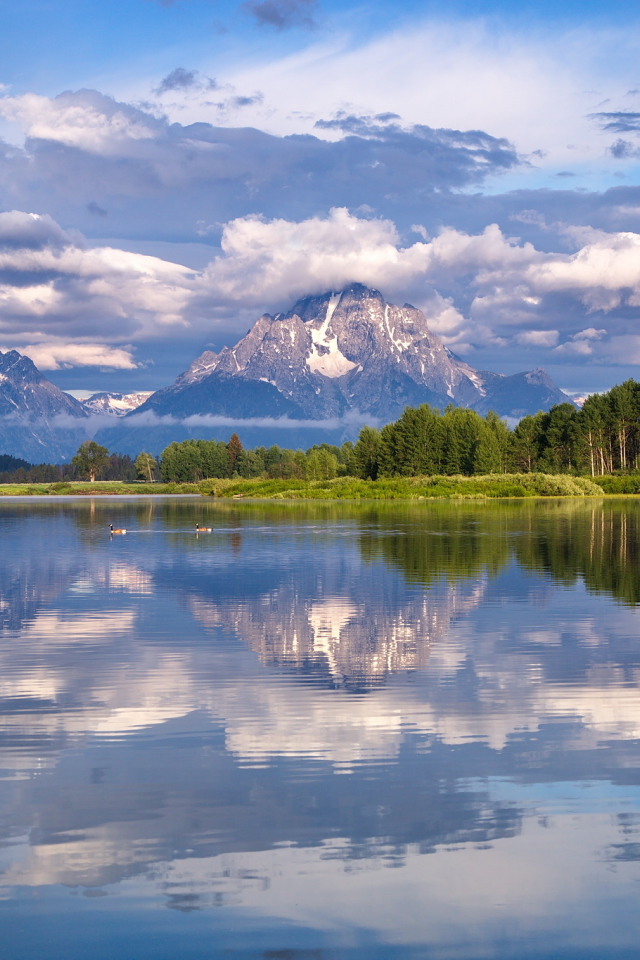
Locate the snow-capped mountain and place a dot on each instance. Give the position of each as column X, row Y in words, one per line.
column 338, row 353
column 115, row 404
column 38, row 422
column 337, row 360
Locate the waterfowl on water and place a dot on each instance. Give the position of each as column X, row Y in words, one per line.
column 200, row 529
column 117, row 529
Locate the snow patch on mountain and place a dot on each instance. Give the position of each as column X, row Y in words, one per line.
column 116, row 404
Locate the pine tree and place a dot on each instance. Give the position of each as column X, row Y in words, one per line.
column 524, row 454
column 366, row 453
column 234, row 449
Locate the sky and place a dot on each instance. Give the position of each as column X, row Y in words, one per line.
column 169, row 171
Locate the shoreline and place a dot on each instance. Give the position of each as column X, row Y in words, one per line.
column 401, row 489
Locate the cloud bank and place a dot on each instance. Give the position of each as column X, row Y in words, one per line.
column 69, row 305
column 84, row 152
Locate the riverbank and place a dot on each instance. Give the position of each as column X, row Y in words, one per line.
column 492, row 486
column 75, row 488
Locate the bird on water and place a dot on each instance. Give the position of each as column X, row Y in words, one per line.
column 116, row 529
column 200, row 529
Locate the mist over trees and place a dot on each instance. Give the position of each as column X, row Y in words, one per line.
column 601, row 439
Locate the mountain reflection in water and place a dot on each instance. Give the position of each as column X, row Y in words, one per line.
column 268, row 718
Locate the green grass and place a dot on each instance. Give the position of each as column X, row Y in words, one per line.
column 408, row 488
column 494, row 486
column 99, row 488
column 625, row 485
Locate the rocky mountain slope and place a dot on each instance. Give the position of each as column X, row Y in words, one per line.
column 38, row 422
column 519, row 394
column 339, row 353
column 321, row 370
column 327, row 356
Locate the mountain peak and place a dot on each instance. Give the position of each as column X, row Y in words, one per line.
column 345, row 352
column 19, row 367
column 37, row 420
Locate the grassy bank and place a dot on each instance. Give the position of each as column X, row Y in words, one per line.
column 408, row 488
column 99, row 488
column 493, row 486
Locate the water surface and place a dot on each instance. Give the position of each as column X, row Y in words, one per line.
column 319, row 731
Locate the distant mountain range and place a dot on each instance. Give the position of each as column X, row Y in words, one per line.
column 315, row 373
column 115, row 404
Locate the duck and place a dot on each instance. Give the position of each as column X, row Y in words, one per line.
column 200, row 529
column 116, row 529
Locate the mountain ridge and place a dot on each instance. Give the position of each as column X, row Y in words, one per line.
column 314, row 373
column 345, row 352
column 36, row 417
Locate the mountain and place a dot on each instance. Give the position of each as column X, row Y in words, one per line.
column 115, row 404
column 38, row 422
column 313, row 374
column 341, row 359
column 519, row 394
column 326, row 357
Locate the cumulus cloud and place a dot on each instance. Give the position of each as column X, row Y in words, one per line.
column 279, row 259
column 52, row 289
column 76, row 305
column 602, row 274
column 57, row 356
column 85, row 119
column 538, row 338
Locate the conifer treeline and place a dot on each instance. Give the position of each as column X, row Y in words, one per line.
column 601, row 438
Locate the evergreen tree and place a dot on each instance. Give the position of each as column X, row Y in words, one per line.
column 559, row 428
column 366, row 454
column 524, row 454
column 234, row 449
column 502, row 436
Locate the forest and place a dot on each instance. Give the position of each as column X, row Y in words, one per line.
column 601, row 440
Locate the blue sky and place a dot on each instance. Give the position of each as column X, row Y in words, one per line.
column 480, row 160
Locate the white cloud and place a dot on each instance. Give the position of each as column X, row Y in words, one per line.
column 52, row 289
column 67, row 300
column 534, row 87
column 84, row 119
column 602, row 274
column 538, row 338
column 589, row 334
column 279, row 259
column 56, row 356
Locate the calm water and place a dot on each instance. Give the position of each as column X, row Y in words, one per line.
column 320, row 731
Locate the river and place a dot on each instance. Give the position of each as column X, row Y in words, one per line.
column 322, row 730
